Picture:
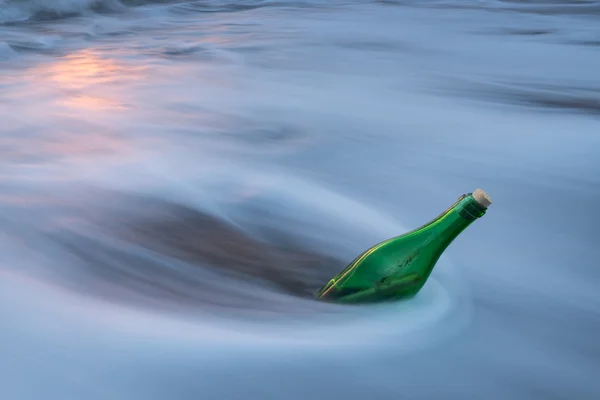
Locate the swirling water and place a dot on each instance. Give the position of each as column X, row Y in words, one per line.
column 176, row 178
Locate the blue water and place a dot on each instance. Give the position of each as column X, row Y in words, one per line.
column 177, row 176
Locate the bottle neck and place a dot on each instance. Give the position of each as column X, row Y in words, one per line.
column 468, row 208
column 449, row 224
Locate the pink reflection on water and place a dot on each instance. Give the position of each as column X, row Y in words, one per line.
column 67, row 110
column 85, row 68
column 89, row 81
column 92, row 103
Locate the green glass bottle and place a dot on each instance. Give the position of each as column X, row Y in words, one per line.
column 399, row 267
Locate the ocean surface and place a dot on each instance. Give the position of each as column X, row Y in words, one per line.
column 178, row 177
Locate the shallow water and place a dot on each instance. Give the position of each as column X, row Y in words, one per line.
column 177, row 177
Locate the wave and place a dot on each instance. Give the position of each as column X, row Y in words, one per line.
column 18, row 11
column 543, row 7
column 40, row 10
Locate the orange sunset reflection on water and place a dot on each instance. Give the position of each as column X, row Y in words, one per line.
column 84, row 68
column 76, row 103
column 90, row 82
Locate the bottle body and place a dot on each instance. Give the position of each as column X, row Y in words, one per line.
column 399, row 267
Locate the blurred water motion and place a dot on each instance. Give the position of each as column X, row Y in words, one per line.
column 178, row 177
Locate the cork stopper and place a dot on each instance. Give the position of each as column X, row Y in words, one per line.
column 482, row 198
